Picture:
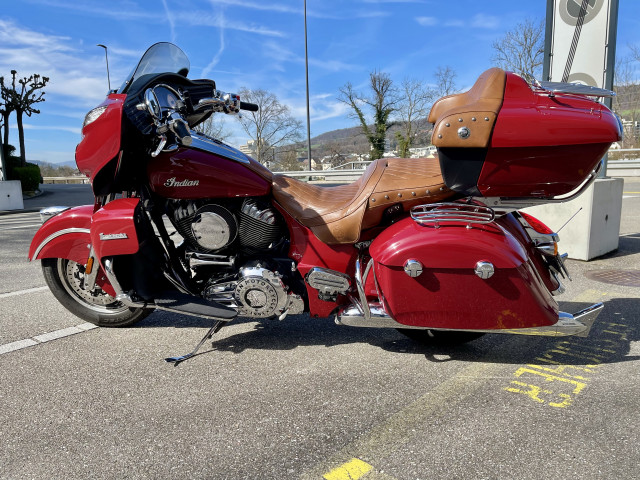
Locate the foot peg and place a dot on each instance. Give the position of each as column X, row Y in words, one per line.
column 213, row 330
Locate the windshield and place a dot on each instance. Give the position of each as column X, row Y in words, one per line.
column 161, row 57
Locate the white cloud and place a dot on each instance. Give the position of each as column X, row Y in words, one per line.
column 485, row 21
column 427, row 21
column 60, row 128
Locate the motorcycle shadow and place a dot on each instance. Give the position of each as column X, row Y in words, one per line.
column 608, row 342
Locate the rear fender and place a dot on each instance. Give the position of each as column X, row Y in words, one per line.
column 67, row 235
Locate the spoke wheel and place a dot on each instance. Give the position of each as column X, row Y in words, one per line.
column 65, row 278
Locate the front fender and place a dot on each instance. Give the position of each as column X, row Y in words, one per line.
column 67, row 235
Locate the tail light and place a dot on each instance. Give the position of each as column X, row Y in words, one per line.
column 544, row 239
column 536, row 224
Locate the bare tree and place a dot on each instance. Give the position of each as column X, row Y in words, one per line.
column 381, row 101
column 445, row 81
column 413, row 108
column 271, row 126
column 521, row 50
column 215, row 127
column 626, row 103
column 21, row 98
column 288, row 161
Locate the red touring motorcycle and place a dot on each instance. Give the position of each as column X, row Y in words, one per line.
column 435, row 247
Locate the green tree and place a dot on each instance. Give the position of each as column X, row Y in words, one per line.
column 20, row 98
column 380, row 101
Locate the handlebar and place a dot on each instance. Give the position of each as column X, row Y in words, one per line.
column 180, row 129
column 250, row 107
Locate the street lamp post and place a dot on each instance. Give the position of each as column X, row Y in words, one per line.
column 306, row 64
column 107, row 59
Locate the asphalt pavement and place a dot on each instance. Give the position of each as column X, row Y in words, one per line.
column 305, row 398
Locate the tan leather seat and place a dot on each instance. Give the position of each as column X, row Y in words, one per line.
column 476, row 110
column 337, row 215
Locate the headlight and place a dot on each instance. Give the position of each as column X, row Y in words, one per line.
column 93, row 115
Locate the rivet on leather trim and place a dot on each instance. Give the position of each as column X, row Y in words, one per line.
column 387, row 197
column 428, row 192
column 486, row 119
column 459, row 119
column 400, row 195
column 413, row 194
column 473, row 119
column 373, row 200
column 447, row 124
column 440, row 136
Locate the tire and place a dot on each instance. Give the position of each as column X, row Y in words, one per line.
column 64, row 278
column 439, row 337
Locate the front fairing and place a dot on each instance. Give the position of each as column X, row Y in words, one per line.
column 101, row 138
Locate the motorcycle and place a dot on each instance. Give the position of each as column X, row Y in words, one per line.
column 437, row 248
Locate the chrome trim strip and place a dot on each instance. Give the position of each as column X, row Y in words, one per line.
column 57, row 234
column 202, row 142
column 361, row 280
column 50, row 212
column 577, row 324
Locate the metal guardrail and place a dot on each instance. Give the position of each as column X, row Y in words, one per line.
column 72, row 179
column 615, row 168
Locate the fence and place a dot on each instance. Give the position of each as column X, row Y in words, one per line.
column 627, row 167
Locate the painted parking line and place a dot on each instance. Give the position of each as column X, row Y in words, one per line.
column 45, row 337
column 352, row 470
column 389, row 435
column 2, row 229
column 23, row 292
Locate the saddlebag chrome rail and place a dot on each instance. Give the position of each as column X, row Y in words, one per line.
column 436, row 213
column 577, row 324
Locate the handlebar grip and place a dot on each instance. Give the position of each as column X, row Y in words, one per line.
column 251, row 107
column 182, row 132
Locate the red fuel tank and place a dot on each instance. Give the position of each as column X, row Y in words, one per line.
column 189, row 173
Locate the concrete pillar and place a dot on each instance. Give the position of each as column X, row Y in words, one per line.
column 11, row 195
column 595, row 230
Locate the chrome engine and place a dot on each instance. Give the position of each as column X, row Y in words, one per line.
column 210, row 227
column 258, row 293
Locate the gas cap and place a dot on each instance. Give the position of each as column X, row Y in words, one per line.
column 413, row 268
column 484, row 270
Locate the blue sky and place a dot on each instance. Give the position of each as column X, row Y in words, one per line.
column 253, row 44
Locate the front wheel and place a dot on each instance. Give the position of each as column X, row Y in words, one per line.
column 65, row 279
column 439, row 337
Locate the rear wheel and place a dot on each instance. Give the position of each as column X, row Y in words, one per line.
column 65, row 279
column 439, row 337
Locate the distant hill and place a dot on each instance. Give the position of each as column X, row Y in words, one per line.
column 68, row 163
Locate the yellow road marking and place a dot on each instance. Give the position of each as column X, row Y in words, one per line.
column 397, row 429
column 352, row 470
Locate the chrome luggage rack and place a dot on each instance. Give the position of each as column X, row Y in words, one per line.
column 437, row 213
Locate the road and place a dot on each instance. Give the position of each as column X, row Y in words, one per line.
column 305, row 398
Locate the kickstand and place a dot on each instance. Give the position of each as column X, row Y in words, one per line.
column 176, row 360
